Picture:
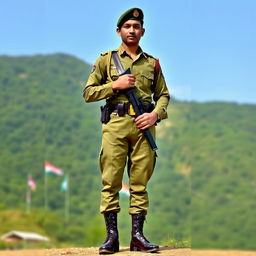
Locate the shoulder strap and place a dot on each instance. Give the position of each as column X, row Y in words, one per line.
column 109, row 63
column 109, row 58
column 156, row 72
column 118, row 64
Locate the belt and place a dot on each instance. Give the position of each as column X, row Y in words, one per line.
column 123, row 108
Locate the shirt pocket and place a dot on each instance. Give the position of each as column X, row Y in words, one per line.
column 146, row 81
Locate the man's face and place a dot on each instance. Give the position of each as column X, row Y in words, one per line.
column 131, row 32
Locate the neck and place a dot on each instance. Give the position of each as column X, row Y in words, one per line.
column 131, row 49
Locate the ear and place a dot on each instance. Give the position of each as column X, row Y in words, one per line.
column 118, row 31
column 142, row 31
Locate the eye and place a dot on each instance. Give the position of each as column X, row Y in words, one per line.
column 137, row 27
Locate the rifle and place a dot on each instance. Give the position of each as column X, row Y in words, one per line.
column 133, row 99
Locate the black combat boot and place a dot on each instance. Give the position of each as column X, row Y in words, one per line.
column 139, row 242
column 111, row 244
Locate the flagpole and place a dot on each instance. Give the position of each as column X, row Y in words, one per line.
column 28, row 197
column 45, row 192
column 67, row 199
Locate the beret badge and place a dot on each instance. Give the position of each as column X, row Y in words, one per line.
column 136, row 13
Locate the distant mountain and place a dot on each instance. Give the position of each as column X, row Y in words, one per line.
column 206, row 153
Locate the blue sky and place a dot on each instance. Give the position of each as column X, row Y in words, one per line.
column 207, row 48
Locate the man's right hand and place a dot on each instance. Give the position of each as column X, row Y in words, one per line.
column 124, row 82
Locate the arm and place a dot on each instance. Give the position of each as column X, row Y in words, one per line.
column 96, row 87
column 161, row 96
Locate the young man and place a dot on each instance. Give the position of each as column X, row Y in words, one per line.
column 122, row 136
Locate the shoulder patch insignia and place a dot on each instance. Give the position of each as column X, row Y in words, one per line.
column 93, row 68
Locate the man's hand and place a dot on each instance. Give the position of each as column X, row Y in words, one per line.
column 146, row 120
column 124, row 82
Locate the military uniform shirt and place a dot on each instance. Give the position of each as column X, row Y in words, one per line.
column 147, row 87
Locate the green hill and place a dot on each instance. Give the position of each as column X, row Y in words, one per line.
column 206, row 153
column 223, row 176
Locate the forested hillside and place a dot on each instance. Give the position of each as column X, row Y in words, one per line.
column 223, row 157
column 206, row 153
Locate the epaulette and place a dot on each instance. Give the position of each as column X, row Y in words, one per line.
column 150, row 56
column 104, row 53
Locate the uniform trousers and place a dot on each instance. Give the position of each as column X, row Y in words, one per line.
column 123, row 142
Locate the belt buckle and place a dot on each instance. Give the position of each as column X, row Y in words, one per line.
column 131, row 110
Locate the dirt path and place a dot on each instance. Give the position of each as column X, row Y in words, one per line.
column 124, row 251
column 165, row 251
column 222, row 253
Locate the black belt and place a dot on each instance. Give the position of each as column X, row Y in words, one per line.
column 123, row 108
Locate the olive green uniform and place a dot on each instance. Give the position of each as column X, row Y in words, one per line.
column 121, row 139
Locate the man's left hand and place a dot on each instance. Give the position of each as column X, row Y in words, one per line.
column 146, row 120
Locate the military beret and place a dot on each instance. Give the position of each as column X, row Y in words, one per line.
column 131, row 14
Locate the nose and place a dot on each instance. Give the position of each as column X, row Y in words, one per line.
column 131, row 29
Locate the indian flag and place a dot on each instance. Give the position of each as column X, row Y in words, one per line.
column 125, row 190
column 51, row 169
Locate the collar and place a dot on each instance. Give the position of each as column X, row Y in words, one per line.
column 123, row 52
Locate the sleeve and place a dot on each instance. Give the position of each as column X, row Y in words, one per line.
column 96, row 87
column 161, row 96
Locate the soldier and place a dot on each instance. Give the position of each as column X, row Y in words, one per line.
column 122, row 137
